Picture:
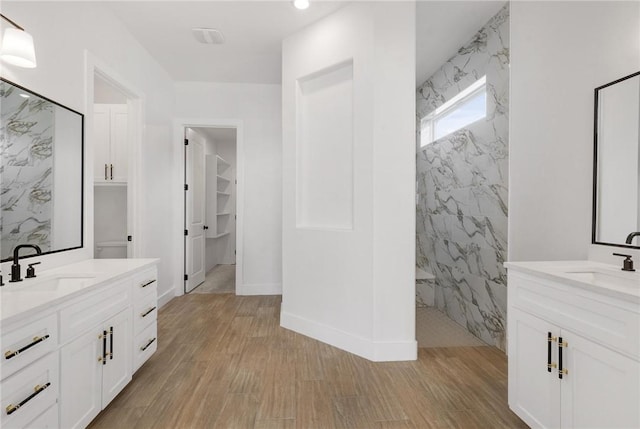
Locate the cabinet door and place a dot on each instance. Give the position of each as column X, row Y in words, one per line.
column 81, row 380
column 534, row 392
column 101, row 140
column 117, row 371
column 602, row 387
column 119, row 144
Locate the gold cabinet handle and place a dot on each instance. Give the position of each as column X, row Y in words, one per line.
column 11, row 408
column 11, row 354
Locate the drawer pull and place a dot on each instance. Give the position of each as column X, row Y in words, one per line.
column 146, row 313
column 148, row 283
column 13, row 408
column 36, row 340
column 146, row 346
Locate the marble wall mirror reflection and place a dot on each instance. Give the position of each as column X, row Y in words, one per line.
column 41, row 171
column 616, row 207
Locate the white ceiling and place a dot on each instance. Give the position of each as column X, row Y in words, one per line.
column 254, row 31
column 445, row 26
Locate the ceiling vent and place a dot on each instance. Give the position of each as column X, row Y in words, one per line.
column 209, row 36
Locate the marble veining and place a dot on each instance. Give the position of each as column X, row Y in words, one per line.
column 462, row 187
column 26, row 140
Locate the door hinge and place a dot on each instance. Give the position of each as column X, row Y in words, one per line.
column 186, row 187
column 186, row 232
column 186, row 277
column 186, row 142
column 129, row 238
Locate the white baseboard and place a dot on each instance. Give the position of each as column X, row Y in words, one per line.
column 259, row 289
column 377, row 351
column 166, row 297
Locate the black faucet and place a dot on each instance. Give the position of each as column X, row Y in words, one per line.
column 15, row 267
column 631, row 236
column 627, row 264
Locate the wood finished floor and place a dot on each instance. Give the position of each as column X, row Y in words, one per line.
column 224, row 362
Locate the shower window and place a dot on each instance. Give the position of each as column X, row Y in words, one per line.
column 468, row 106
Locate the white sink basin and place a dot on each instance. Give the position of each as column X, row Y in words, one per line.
column 51, row 284
column 606, row 279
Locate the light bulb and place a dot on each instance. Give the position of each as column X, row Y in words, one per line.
column 301, row 4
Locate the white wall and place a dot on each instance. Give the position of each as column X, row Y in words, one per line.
column 560, row 52
column 62, row 31
column 258, row 107
column 349, row 269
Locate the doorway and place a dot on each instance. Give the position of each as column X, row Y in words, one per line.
column 210, row 209
column 113, row 138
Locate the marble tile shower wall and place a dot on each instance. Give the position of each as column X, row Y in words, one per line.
column 462, row 189
column 26, row 169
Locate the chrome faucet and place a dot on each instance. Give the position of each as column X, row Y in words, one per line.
column 15, row 267
column 631, row 236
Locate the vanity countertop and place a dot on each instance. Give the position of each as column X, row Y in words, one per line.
column 54, row 286
column 597, row 277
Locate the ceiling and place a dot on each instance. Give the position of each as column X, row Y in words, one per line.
column 254, row 31
column 445, row 26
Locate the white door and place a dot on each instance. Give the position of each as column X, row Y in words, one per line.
column 117, row 372
column 601, row 389
column 336, row 94
column 81, row 380
column 534, row 388
column 195, row 237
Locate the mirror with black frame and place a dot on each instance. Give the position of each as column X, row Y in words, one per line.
column 616, row 190
column 41, row 171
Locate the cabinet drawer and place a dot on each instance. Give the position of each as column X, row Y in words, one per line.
column 46, row 420
column 582, row 312
column 24, row 345
column 145, row 283
column 145, row 313
column 144, row 346
column 90, row 312
column 29, row 392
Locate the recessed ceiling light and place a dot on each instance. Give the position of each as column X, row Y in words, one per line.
column 209, row 36
column 301, row 4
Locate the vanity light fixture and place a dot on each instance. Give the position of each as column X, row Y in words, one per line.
column 301, row 4
column 17, row 46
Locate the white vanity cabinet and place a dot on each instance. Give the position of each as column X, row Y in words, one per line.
column 66, row 360
column 574, row 357
column 95, row 367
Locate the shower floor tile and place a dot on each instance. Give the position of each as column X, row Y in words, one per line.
column 435, row 329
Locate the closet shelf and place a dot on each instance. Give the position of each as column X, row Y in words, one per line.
column 222, row 161
column 224, row 179
column 223, row 214
column 226, row 194
column 222, row 234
